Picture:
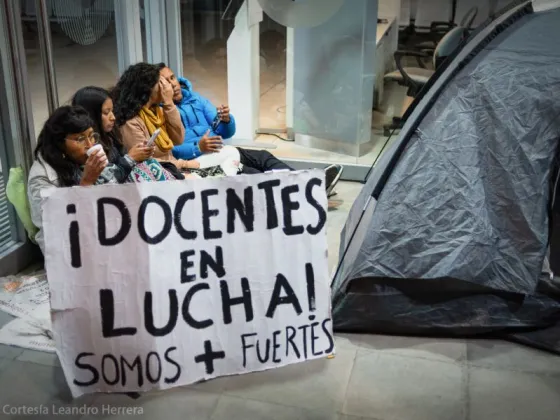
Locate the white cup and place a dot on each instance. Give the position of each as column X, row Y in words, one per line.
column 94, row 148
column 99, row 149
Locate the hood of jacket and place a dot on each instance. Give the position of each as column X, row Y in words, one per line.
column 186, row 89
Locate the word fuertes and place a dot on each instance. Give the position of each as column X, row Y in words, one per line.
column 234, row 207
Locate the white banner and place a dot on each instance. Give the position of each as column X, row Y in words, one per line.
column 157, row 285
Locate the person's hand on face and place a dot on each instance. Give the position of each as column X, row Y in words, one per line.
column 223, row 113
column 166, row 91
column 175, row 85
column 95, row 163
column 141, row 152
column 210, row 144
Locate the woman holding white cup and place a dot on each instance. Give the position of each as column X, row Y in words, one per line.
column 67, row 155
column 95, row 163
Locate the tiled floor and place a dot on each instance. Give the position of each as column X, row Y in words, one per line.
column 371, row 377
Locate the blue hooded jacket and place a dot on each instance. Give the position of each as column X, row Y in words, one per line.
column 197, row 115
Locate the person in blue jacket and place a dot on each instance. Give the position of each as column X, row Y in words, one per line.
column 206, row 126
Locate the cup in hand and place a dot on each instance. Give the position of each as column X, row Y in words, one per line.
column 97, row 149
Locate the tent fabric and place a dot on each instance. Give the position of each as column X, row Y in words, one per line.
column 455, row 242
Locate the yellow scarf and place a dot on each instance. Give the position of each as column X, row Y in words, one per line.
column 154, row 121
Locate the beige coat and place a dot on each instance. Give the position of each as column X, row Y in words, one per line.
column 134, row 131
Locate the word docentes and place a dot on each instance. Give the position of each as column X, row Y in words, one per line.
column 178, row 215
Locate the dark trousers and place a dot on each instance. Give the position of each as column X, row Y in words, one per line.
column 259, row 161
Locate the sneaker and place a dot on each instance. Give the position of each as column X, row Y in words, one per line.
column 332, row 176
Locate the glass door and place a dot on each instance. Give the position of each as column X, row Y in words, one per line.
column 6, row 214
column 15, row 138
column 272, row 63
column 82, row 37
column 205, row 31
column 84, row 46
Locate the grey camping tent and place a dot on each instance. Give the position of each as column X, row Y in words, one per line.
column 450, row 232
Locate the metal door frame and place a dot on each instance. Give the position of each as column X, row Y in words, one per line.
column 16, row 128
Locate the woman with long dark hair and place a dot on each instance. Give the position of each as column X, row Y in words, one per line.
column 144, row 104
column 62, row 159
column 98, row 103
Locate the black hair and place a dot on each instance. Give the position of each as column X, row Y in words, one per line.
column 62, row 122
column 91, row 98
column 133, row 90
column 161, row 65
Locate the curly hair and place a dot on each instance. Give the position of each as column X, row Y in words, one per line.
column 133, row 90
column 92, row 98
column 64, row 121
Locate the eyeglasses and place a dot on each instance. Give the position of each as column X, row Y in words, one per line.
column 93, row 137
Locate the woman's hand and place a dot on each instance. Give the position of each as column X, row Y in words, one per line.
column 166, row 91
column 188, row 164
column 141, row 152
column 210, row 144
column 223, row 113
column 95, row 164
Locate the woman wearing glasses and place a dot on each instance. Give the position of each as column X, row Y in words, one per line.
column 62, row 160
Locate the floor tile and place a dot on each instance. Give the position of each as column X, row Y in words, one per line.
column 10, row 352
column 318, row 385
column 233, row 408
column 30, row 384
column 214, row 386
column 498, row 354
column 4, row 364
column 512, row 395
column 391, row 387
column 5, row 318
column 172, row 404
column 39, row 357
column 445, row 350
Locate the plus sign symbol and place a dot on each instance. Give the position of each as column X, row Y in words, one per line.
column 209, row 356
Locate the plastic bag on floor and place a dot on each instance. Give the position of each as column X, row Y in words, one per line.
column 16, row 192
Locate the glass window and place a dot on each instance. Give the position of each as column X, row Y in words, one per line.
column 205, row 31
column 84, row 49
column 7, row 216
column 15, row 253
column 272, row 59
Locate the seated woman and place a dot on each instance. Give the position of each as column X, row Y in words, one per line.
column 143, row 104
column 97, row 102
column 61, row 159
column 138, row 163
